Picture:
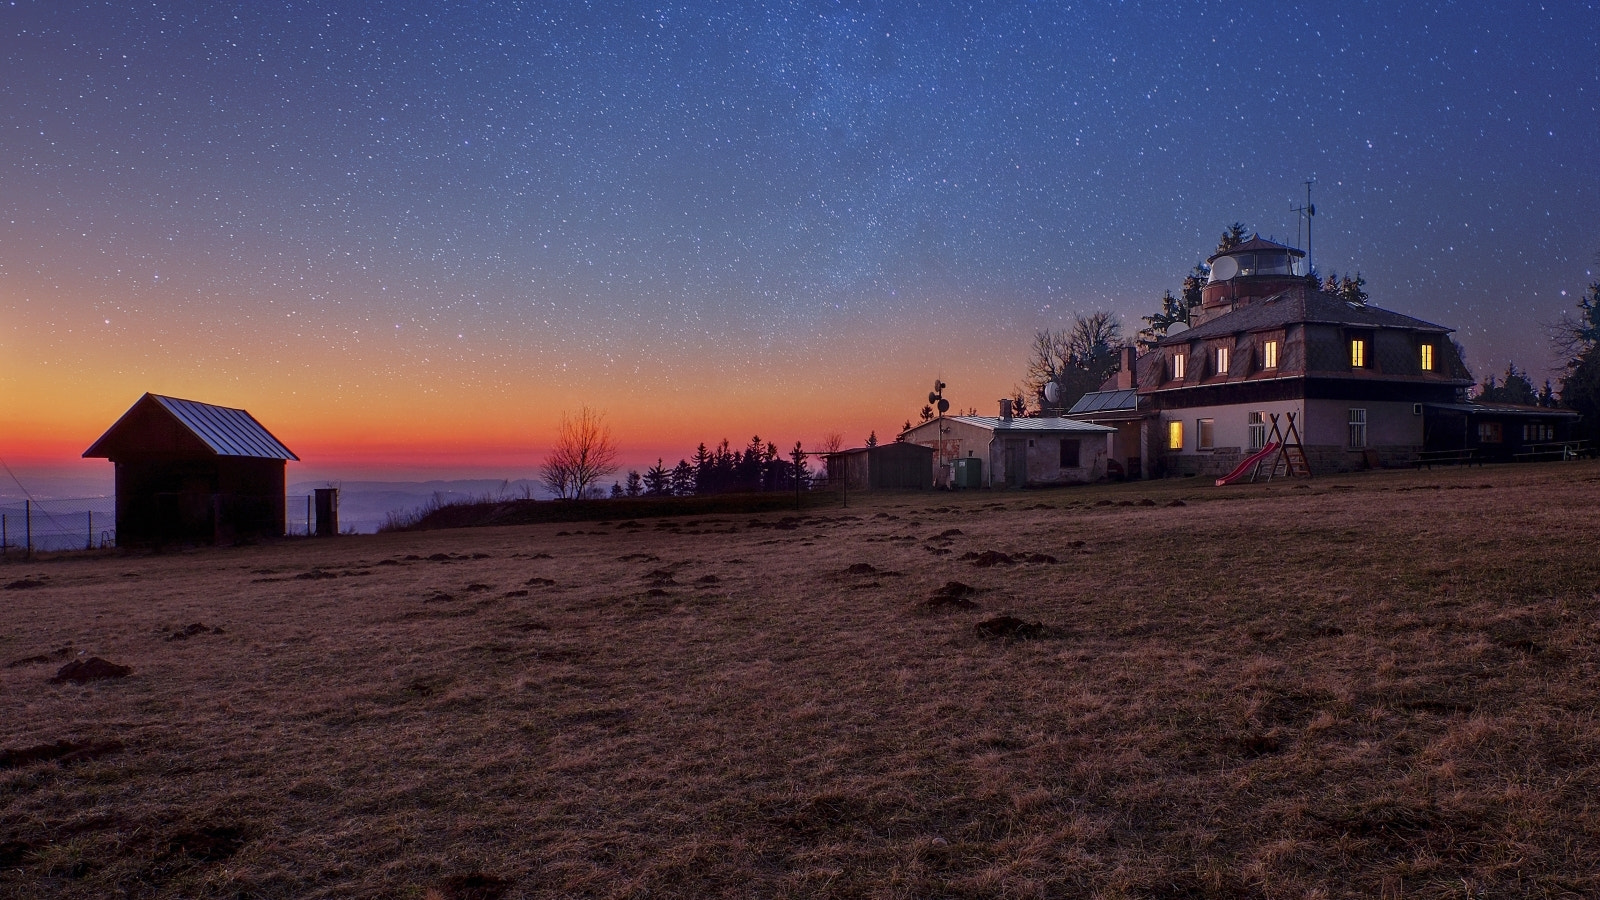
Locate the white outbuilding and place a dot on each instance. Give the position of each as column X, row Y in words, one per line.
column 1016, row 451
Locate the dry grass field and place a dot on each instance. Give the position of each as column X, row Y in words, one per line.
column 1380, row 685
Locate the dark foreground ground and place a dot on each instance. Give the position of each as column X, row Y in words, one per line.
column 1367, row 686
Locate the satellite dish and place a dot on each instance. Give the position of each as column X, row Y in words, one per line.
column 944, row 406
column 1224, row 268
column 932, row 397
column 1052, row 392
column 1176, row 328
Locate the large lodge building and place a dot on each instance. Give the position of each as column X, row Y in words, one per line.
column 1367, row 387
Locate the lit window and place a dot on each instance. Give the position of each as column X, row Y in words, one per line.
column 1174, row 435
column 1203, row 433
column 1222, row 360
column 1427, row 357
column 1358, row 428
column 1358, row 353
column 1069, row 453
column 1488, row 432
column 1177, row 364
column 1258, row 430
column 1269, row 355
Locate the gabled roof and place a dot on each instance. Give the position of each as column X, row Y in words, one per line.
column 1300, row 306
column 1105, row 401
column 224, row 431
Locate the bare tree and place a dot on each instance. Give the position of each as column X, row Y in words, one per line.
column 832, row 442
column 1574, row 336
column 1076, row 359
column 584, row 453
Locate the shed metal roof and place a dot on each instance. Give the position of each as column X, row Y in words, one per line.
column 1043, row 423
column 224, row 431
column 228, row 432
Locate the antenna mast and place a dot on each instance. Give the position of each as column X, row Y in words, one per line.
column 1306, row 212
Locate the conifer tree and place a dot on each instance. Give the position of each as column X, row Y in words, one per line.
column 657, row 481
column 683, row 478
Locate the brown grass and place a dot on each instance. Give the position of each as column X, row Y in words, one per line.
column 1365, row 686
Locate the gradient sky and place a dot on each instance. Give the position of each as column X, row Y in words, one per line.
column 407, row 235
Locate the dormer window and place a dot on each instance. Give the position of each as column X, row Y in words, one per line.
column 1358, row 353
column 1427, row 357
column 1269, row 354
column 1222, row 360
column 1178, row 365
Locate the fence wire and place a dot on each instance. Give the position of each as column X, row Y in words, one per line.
column 82, row 523
column 90, row 523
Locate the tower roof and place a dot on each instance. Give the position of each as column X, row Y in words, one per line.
column 1256, row 244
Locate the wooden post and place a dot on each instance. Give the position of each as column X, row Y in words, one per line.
column 88, row 541
column 27, row 528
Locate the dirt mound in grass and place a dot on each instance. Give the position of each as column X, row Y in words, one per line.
column 80, row 671
column 63, row 752
column 15, row 853
column 474, row 886
column 989, row 559
column 189, row 631
column 23, row 584
column 58, row 653
column 207, row 843
column 1010, row 627
column 955, row 594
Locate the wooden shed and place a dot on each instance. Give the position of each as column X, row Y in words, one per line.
column 189, row 472
column 887, row 467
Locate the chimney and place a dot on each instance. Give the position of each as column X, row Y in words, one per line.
column 1005, row 410
column 1125, row 374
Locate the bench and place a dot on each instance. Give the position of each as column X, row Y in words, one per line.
column 1430, row 458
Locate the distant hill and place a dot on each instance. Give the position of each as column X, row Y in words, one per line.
column 364, row 505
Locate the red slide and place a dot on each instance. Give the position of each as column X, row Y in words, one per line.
column 1249, row 461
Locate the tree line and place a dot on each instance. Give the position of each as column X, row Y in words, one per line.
column 585, row 453
column 758, row 466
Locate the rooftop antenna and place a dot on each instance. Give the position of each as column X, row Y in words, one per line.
column 937, row 401
column 1306, row 212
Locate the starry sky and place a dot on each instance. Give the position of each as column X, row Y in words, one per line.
column 408, row 235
